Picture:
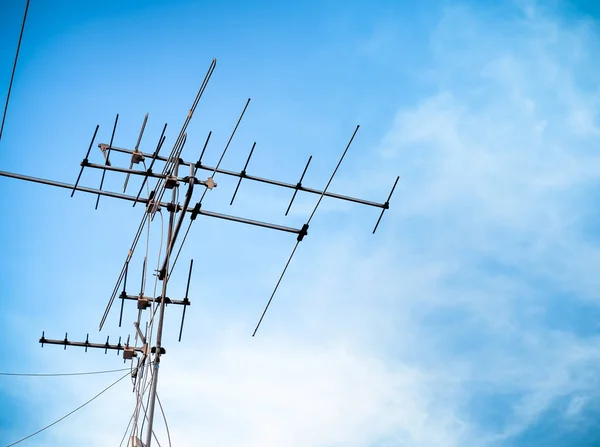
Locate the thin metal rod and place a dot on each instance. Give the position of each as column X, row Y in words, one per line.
column 125, row 170
column 141, row 173
column 182, row 320
column 136, row 325
column 387, row 204
column 85, row 160
column 107, row 159
column 242, row 174
column 199, row 162
column 174, row 156
column 226, row 147
column 161, row 186
column 123, row 293
column 181, row 245
column 332, row 175
column 303, row 232
column 136, row 150
column 199, row 204
column 123, row 270
column 12, row 76
column 85, row 344
column 117, row 195
column 267, row 181
column 153, row 299
column 139, row 140
column 209, row 73
column 173, row 239
column 298, row 186
column 275, row 289
column 154, row 156
column 187, row 289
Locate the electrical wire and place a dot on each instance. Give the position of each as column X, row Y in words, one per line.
column 70, row 413
column 12, row 76
column 134, row 415
column 127, row 429
column 165, row 419
column 63, row 374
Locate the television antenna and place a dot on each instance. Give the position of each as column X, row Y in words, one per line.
column 176, row 174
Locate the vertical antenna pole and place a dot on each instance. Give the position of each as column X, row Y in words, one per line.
column 161, row 316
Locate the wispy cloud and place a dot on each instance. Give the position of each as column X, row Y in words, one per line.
column 476, row 316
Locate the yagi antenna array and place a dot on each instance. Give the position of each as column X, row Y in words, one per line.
column 176, row 174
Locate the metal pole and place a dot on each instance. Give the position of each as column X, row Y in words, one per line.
column 161, row 317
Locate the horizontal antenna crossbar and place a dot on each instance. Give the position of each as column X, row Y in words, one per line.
column 156, row 300
column 260, row 179
column 117, row 195
column 86, row 344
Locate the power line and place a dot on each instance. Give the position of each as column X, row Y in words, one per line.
column 70, row 413
column 12, row 76
column 63, row 374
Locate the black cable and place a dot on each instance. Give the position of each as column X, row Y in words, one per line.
column 12, row 76
column 68, row 414
column 63, row 374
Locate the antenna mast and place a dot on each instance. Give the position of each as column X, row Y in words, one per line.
column 150, row 352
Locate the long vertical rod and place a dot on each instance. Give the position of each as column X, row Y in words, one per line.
column 161, row 317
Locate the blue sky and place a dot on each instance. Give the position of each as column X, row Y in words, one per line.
column 469, row 319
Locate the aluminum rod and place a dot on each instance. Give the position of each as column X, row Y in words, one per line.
column 185, row 300
column 123, row 293
column 107, row 163
column 153, row 300
column 303, row 233
column 267, row 181
column 124, row 170
column 136, row 150
column 141, row 173
column 188, row 196
column 85, row 159
column 387, row 204
column 117, row 195
column 202, row 153
column 83, row 344
column 242, row 174
column 275, row 289
column 160, row 187
column 226, row 147
column 298, row 185
column 161, row 140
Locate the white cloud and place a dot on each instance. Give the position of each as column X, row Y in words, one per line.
column 487, row 251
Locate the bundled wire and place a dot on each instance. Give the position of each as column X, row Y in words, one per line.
column 69, row 413
column 86, row 373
